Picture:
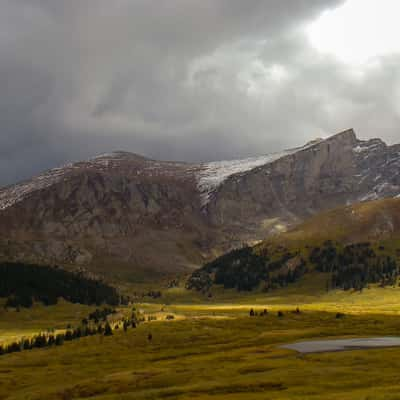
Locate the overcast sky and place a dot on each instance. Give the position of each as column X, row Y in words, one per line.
column 191, row 79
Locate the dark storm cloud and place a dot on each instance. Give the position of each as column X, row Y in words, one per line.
column 176, row 79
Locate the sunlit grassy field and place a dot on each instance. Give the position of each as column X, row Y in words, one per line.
column 28, row 322
column 309, row 293
column 213, row 349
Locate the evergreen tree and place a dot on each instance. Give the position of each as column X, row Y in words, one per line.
column 59, row 339
column 68, row 335
column 108, row 330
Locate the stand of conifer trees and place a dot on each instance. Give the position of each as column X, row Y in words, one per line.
column 50, row 339
column 355, row 266
column 244, row 270
column 24, row 283
column 351, row 267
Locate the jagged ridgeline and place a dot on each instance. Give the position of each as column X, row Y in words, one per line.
column 352, row 266
column 22, row 284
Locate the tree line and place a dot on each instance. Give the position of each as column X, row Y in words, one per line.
column 352, row 266
column 87, row 328
column 24, row 283
column 244, row 270
column 355, row 266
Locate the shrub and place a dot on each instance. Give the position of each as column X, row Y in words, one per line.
column 40, row 341
column 51, row 340
column 100, row 329
column 68, row 335
column 59, row 339
column 108, row 330
column 14, row 347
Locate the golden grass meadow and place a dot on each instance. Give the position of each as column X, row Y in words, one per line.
column 212, row 350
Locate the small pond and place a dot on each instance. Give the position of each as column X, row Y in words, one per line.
column 318, row 346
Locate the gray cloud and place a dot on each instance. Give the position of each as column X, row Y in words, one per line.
column 177, row 79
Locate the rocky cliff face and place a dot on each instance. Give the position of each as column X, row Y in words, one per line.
column 117, row 211
column 337, row 171
column 121, row 212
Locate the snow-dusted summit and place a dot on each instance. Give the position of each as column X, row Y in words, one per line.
column 212, row 174
column 209, row 175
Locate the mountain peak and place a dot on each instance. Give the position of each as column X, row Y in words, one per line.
column 212, row 174
column 347, row 135
column 119, row 155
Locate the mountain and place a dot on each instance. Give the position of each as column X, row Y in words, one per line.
column 325, row 174
column 128, row 216
column 354, row 245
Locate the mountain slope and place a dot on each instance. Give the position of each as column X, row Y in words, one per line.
column 354, row 245
column 121, row 213
column 115, row 210
column 367, row 221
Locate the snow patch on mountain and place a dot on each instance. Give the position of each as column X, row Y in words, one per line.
column 368, row 147
column 209, row 176
column 16, row 193
column 212, row 174
column 379, row 192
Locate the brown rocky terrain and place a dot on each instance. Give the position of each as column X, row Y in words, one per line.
column 121, row 213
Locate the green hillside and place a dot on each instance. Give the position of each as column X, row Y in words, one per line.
column 369, row 221
column 355, row 245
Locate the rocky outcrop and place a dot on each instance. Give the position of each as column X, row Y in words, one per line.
column 121, row 213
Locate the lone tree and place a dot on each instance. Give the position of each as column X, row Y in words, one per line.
column 68, row 335
column 125, row 326
column 108, row 330
column 60, row 339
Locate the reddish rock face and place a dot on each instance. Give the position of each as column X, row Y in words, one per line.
column 123, row 213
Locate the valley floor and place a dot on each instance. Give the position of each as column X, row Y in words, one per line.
column 213, row 351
